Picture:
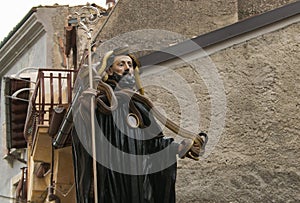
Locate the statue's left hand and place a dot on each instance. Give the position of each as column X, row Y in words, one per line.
column 196, row 148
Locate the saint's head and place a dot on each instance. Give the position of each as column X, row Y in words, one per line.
column 122, row 70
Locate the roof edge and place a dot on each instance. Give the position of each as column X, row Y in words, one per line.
column 18, row 26
column 225, row 33
column 31, row 11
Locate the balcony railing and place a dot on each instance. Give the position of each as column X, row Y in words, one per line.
column 53, row 88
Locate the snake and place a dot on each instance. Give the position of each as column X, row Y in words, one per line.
column 107, row 93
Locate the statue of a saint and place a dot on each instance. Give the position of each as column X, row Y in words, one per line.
column 129, row 141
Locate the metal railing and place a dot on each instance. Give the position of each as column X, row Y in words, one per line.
column 54, row 87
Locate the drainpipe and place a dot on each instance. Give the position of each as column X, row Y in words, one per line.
column 57, row 117
column 66, row 125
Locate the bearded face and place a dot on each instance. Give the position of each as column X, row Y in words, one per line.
column 121, row 72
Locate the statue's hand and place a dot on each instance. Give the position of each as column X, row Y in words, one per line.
column 184, row 147
column 193, row 148
column 85, row 97
column 89, row 92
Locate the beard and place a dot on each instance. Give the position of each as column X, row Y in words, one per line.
column 125, row 81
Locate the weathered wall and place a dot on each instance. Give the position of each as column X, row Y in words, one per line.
column 187, row 17
column 34, row 56
column 43, row 52
column 257, row 157
column 54, row 29
column 247, row 8
column 55, row 19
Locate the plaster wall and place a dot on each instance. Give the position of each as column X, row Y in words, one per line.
column 34, row 57
column 256, row 158
column 54, row 20
column 38, row 54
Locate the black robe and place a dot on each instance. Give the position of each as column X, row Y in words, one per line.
column 122, row 178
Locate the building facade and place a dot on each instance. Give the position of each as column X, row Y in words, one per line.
column 247, row 94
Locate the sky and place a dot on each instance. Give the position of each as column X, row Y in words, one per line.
column 13, row 11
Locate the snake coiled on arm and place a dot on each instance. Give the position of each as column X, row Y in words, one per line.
column 107, row 102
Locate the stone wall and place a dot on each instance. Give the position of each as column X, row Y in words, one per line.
column 186, row 17
column 257, row 156
column 247, row 8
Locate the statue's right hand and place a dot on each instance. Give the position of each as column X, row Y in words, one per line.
column 85, row 97
column 89, row 92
